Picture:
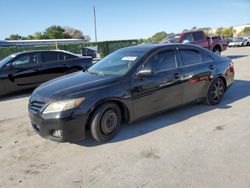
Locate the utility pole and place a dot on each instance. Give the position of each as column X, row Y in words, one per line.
column 95, row 24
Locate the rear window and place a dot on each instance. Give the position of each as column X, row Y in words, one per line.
column 65, row 56
column 206, row 58
column 50, row 57
column 190, row 57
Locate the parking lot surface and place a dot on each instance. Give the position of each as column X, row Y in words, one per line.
column 194, row 146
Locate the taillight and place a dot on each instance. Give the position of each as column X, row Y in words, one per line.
column 231, row 67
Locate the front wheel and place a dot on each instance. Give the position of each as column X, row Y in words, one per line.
column 216, row 92
column 217, row 51
column 105, row 122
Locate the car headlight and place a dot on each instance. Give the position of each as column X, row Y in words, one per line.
column 60, row 106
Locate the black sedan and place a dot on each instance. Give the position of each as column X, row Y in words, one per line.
column 29, row 69
column 127, row 85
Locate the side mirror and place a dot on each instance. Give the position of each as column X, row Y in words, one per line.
column 186, row 42
column 146, row 71
column 9, row 65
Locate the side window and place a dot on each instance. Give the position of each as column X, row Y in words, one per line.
column 190, row 57
column 69, row 56
column 198, row 36
column 162, row 61
column 62, row 57
column 50, row 57
column 206, row 58
column 24, row 60
column 188, row 37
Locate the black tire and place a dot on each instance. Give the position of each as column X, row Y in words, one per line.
column 216, row 92
column 105, row 122
column 217, row 50
column 72, row 71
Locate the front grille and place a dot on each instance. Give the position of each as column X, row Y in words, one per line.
column 37, row 106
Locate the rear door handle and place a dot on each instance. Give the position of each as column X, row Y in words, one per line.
column 187, row 77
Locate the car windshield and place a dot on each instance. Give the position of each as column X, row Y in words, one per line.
column 6, row 60
column 118, row 63
column 173, row 38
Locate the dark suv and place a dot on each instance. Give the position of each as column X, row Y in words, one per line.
column 129, row 84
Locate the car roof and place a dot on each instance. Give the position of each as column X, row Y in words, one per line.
column 32, row 51
column 150, row 47
column 187, row 32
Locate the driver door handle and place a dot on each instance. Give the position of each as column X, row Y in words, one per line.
column 177, row 76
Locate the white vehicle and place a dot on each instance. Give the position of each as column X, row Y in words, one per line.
column 238, row 42
column 247, row 41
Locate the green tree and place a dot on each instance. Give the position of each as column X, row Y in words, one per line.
column 206, row 30
column 228, row 32
column 37, row 36
column 157, row 37
column 194, row 28
column 14, row 37
column 245, row 32
column 219, row 31
column 73, row 33
column 55, row 32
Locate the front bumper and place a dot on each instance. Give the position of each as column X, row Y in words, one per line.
column 72, row 127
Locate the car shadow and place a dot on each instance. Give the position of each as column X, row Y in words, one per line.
column 236, row 56
column 239, row 90
column 16, row 95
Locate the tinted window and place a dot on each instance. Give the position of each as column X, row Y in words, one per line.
column 190, row 57
column 206, row 58
column 27, row 59
column 162, row 61
column 50, row 56
column 198, row 36
column 188, row 37
column 69, row 56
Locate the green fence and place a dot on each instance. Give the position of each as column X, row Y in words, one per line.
column 104, row 48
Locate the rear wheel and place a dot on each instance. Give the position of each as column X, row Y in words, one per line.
column 216, row 92
column 105, row 122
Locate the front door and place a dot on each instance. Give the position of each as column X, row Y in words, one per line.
column 162, row 89
column 24, row 70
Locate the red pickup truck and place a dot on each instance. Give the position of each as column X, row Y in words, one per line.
column 216, row 44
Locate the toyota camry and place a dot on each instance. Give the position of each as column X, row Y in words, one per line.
column 127, row 85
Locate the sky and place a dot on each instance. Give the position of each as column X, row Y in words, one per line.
column 120, row 19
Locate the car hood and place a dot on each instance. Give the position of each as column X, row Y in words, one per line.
column 74, row 85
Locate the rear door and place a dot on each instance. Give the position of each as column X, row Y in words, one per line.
column 161, row 90
column 52, row 65
column 197, row 69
